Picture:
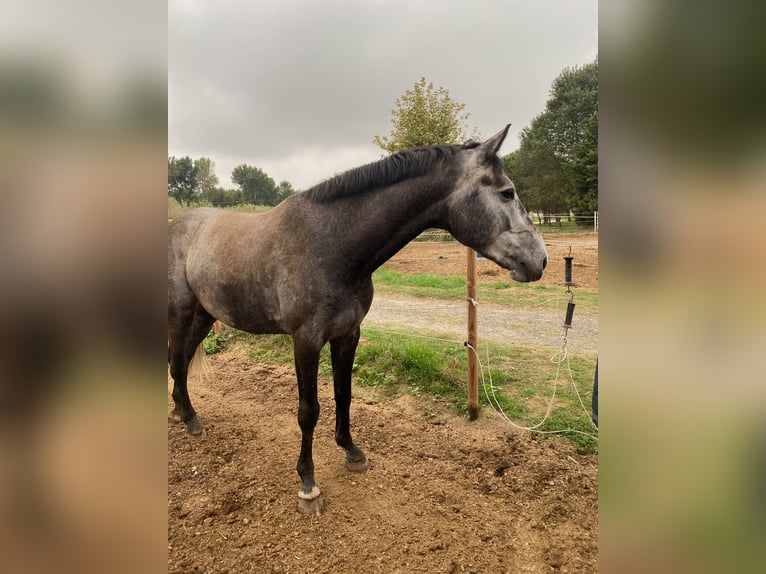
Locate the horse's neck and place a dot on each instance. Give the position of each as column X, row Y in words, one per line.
column 385, row 221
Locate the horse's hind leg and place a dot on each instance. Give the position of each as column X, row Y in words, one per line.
column 342, row 351
column 186, row 332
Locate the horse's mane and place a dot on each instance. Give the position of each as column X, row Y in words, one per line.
column 388, row 171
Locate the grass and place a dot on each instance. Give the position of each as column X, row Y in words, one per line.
column 517, row 295
column 522, row 377
column 214, row 343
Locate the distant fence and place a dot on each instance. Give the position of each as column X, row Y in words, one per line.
column 553, row 220
column 553, row 223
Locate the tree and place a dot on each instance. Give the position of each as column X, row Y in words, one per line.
column 284, row 190
column 574, row 99
column 182, row 179
column 204, row 169
column 556, row 165
column 256, row 187
column 190, row 179
column 584, row 197
column 539, row 174
column 425, row 116
column 220, row 197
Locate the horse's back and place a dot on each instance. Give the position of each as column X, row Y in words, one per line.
column 209, row 228
column 221, row 260
column 183, row 228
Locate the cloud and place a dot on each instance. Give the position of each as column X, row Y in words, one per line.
column 268, row 81
column 305, row 167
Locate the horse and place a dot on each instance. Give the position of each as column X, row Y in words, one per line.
column 304, row 268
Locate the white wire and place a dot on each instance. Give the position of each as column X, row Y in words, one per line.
column 534, row 428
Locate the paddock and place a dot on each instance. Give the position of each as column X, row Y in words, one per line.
column 459, row 497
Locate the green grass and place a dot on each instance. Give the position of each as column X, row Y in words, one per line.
column 517, row 295
column 214, row 343
column 522, row 377
column 418, row 366
column 270, row 348
column 525, row 377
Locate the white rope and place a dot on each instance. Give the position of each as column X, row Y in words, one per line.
column 534, row 428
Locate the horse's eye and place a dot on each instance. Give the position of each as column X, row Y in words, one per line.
column 507, row 194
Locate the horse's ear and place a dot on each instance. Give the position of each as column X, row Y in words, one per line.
column 491, row 146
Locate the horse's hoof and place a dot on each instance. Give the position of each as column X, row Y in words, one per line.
column 358, row 465
column 313, row 507
column 194, row 428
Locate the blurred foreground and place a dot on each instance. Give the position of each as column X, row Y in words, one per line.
column 683, row 393
column 82, row 173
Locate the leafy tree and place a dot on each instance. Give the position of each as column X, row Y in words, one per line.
column 220, row 197
column 284, row 190
column 556, row 165
column 189, row 179
column 195, row 180
column 539, row 174
column 425, row 115
column 574, row 99
column 256, row 187
column 584, row 197
column 182, row 179
column 204, row 169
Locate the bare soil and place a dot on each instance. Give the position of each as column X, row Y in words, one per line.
column 443, row 494
column 449, row 258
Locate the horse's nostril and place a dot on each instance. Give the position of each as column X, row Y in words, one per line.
column 545, row 263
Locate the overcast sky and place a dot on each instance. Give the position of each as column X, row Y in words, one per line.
column 299, row 88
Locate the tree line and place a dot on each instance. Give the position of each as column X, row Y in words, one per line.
column 193, row 182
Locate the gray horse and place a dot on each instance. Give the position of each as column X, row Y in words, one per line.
column 305, row 267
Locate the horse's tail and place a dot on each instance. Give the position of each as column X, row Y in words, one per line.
column 199, row 366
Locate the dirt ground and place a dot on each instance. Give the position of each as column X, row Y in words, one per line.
column 443, row 494
column 449, row 258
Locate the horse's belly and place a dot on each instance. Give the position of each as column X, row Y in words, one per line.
column 257, row 325
column 245, row 311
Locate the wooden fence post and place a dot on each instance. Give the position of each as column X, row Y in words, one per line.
column 473, row 365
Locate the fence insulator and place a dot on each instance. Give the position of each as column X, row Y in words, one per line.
column 568, row 270
column 570, row 313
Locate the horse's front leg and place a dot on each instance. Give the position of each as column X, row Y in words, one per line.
column 342, row 351
column 306, row 368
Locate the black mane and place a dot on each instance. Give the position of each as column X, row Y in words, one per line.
column 388, row 171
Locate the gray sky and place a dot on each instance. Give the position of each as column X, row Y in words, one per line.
column 299, row 88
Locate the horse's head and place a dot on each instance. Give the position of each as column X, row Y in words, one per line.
column 485, row 213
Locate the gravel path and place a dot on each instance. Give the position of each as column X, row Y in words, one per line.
column 500, row 324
